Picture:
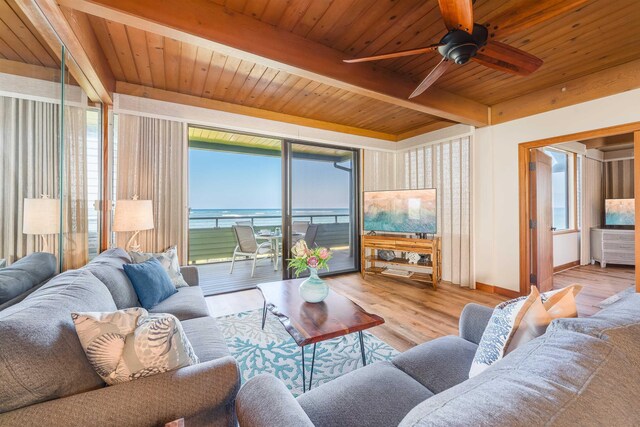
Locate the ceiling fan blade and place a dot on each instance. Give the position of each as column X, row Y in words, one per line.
column 394, row 54
column 520, row 18
column 457, row 14
column 506, row 58
column 434, row 75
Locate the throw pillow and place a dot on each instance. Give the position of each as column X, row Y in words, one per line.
column 150, row 281
column 520, row 320
column 168, row 259
column 129, row 344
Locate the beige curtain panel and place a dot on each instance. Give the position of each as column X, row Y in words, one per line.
column 152, row 164
column 75, row 207
column 29, row 135
column 591, row 204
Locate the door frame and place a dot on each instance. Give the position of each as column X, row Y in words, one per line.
column 524, row 176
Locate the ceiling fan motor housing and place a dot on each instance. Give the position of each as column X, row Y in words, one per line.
column 459, row 46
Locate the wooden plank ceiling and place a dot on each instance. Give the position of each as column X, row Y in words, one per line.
column 142, row 58
column 20, row 42
column 599, row 35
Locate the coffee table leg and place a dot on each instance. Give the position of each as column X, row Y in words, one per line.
column 313, row 361
column 304, row 380
column 264, row 313
column 364, row 358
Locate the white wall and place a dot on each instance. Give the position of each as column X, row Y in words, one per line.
column 496, row 176
column 566, row 248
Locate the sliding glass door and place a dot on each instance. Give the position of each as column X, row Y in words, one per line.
column 321, row 201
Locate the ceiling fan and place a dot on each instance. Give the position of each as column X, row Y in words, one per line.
column 467, row 41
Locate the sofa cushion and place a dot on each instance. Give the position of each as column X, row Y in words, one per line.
column 41, row 357
column 206, row 338
column 438, row 364
column 129, row 344
column 562, row 378
column 26, row 273
column 376, row 395
column 151, row 282
column 108, row 268
column 618, row 324
column 187, row 303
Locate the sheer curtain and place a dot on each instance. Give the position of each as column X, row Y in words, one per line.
column 446, row 166
column 29, row 135
column 75, row 207
column 591, row 204
column 152, row 163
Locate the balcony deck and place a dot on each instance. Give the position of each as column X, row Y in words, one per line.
column 215, row 278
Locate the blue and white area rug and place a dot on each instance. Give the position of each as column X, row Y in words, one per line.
column 273, row 351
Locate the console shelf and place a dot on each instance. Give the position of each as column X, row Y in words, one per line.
column 429, row 272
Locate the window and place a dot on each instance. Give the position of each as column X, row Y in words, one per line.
column 562, row 189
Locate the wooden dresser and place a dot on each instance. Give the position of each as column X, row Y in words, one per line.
column 429, row 271
column 612, row 246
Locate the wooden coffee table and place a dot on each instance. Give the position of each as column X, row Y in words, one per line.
column 309, row 323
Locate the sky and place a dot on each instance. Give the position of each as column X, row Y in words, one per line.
column 219, row 180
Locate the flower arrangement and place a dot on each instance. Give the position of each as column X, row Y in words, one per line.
column 304, row 258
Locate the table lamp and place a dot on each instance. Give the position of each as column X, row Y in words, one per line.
column 41, row 216
column 133, row 215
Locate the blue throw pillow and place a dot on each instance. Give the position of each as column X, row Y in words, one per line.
column 151, row 282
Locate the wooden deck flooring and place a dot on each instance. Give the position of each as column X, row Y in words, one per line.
column 215, row 278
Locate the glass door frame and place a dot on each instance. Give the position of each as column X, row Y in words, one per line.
column 287, row 205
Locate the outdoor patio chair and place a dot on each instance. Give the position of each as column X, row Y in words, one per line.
column 310, row 235
column 248, row 246
column 299, row 229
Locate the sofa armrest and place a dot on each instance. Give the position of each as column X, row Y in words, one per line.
column 473, row 321
column 264, row 401
column 190, row 275
column 203, row 393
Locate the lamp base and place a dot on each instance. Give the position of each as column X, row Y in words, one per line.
column 132, row 244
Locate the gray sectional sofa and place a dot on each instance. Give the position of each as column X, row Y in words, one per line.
column 46, row 379
column 581, row 372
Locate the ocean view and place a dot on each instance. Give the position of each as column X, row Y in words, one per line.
column 225, row 218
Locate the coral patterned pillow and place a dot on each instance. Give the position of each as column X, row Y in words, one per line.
column 128, row 344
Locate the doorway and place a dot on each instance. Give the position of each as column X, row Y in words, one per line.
column 564, row 208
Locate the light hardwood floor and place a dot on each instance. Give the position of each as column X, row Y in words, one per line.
column 413, row 312
column 598, row 284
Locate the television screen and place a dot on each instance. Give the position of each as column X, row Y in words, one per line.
column 403, row 211
column 619, row 212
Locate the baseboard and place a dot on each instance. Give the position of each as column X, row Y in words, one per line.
column 497, row 290
column 566, row 266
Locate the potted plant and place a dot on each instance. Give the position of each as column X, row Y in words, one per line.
column 313, row 289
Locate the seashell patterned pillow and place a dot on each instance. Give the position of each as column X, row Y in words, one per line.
column 128, row 344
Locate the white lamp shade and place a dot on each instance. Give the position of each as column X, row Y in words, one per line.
column 41, row 216
column 133, row 215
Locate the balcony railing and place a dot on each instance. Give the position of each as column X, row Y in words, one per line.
column 211, row 239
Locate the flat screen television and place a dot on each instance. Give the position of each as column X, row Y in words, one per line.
column 401, row 211
column 619, row 212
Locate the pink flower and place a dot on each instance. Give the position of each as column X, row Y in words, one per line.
column 324, row 253
column 312, row 262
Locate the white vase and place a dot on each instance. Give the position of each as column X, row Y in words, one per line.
column 313, row 289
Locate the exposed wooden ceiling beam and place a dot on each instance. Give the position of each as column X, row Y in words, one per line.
column 28, row 70
column 597, row 85
column 204, row 23
column 196, row 101
column 424, row 129
column 90, row 67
